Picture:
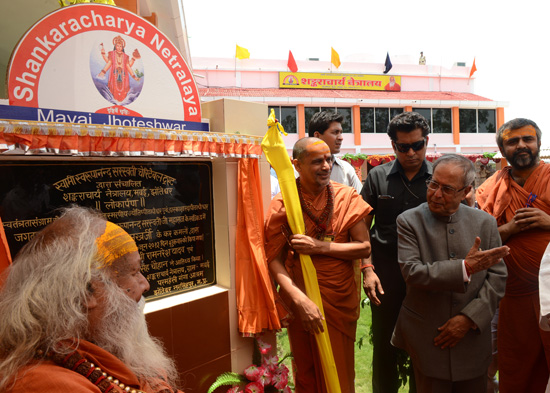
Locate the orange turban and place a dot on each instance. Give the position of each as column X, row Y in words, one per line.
column 113, row 244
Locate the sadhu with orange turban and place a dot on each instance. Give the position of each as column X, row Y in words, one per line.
column 72, row 313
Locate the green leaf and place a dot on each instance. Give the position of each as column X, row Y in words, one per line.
column 287, row 355
column 227, row 379
column 351, row 157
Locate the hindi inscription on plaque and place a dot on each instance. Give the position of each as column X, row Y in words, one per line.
column 165, row 206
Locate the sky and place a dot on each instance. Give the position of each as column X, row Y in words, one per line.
column 508, row 39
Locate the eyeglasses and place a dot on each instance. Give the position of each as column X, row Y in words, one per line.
column 405, row 147
column 446, row 190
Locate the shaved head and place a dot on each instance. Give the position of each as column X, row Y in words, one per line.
column 313, row 161
column 301, row 147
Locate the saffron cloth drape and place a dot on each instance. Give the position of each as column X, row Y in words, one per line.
column 255, row 293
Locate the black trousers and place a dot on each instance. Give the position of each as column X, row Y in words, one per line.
column 385, row 355
column 426, row 384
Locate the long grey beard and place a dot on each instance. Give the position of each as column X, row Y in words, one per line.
column 123, row 332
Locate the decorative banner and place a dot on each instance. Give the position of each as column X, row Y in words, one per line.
column 35, row 138
column 100, row 58
column 309, row 80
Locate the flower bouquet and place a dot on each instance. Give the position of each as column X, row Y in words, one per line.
column 270, row 376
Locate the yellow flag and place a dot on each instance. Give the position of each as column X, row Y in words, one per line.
column 242, row 53
column 334, row 58
column 277, row 155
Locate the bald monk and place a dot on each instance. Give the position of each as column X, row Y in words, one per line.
column 336, row 234
column 72, row 314
column 518, row 196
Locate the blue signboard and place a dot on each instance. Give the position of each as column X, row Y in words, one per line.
column 111, row 119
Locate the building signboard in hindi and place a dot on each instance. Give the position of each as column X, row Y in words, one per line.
column 310, row 80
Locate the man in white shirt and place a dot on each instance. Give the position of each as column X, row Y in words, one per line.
column 327, row 125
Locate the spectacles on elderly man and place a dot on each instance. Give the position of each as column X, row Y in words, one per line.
column 446, row 190
column 405, row 147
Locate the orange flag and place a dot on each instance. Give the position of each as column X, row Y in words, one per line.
column 334, row 58
column 291, row 63
column 5, row 257
column 473, row 69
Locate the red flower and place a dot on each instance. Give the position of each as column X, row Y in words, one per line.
column 282, row 369
column 254, row 387
column 253, row 372
column 287, row 390
column 280, row 381
column 235, row 389
column 265, row 378
column 263, row 346
column 270, row 362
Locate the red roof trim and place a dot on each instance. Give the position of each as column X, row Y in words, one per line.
column 353, row 94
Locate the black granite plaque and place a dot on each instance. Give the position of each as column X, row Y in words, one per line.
column 165, row 206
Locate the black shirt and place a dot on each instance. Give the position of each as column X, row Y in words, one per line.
column 390, row 193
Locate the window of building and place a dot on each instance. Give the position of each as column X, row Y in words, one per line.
column 394, row 112
column 287, row 116
column 381, row 120
column 477, row 120
column 439, row 119
column 376, row 120
column 347, row 126
column 486, row 121
column 467, row 119
column 366, row 116
column 347, row 123
column 308, row 114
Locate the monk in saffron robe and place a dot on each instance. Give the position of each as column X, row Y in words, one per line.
column 72, row 314
column 518, row 196
column 336, row 234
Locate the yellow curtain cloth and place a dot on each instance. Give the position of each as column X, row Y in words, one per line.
column 255, row 295
column 275, row 152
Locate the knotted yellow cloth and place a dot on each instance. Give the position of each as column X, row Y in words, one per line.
column 276, row 154
column 113, row 244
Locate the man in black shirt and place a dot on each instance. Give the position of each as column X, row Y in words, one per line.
column 391, row 189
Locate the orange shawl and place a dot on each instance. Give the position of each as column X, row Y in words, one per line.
column 46, row 376
column 501, row 196
column 337, row 285
column 335, row 276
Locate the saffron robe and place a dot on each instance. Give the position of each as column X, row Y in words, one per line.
column 337, row 284
column 523, row 348
column 47, row 376
column 119, row 76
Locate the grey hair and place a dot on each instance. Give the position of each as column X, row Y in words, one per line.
column 43, row 300
column 514, row 124
column 461, row 161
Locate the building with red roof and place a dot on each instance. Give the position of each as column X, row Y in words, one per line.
column 461, row 121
